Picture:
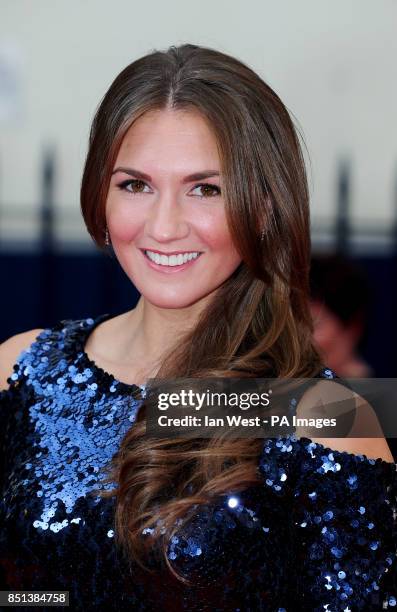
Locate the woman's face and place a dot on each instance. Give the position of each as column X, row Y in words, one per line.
column 159, row 214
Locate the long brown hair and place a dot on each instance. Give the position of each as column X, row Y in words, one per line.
column 258, row 323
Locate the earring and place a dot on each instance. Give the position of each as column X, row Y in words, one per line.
column 107, row 241
column 263, row 234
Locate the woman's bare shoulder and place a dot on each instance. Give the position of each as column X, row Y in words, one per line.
column 332, row 393
column 10, row 350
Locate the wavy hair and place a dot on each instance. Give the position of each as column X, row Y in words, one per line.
column 258, row 322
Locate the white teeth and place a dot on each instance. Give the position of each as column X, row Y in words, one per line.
column 172, row 260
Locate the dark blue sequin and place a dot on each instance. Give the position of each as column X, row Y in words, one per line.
column 318, row 533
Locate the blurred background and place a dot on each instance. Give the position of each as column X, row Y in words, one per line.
column 333, row 65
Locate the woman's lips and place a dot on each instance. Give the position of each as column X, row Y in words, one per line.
column 168, row 269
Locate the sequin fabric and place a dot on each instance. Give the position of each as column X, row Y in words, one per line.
column 317, row 533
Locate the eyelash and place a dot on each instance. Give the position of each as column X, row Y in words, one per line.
column 123, row 187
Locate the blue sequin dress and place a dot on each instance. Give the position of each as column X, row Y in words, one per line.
column 318, row 533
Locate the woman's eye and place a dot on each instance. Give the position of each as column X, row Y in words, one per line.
column 208, row 190
column 136, row 185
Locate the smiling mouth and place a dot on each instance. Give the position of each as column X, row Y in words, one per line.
column 174, row 260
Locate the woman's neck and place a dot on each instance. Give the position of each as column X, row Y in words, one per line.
column 148, row 331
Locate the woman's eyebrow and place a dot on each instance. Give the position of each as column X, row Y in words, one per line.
column 196, row 176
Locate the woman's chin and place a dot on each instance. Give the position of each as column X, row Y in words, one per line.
column 170, row 301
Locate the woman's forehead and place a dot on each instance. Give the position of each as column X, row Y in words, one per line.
column 180, row 140
column 172, row 120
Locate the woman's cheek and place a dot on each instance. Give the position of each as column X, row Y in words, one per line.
column 123, row 232
column 124, row 225
column 214, row 229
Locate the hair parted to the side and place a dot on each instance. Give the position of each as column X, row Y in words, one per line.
column 258, row 323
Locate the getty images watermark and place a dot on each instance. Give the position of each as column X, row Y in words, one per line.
column 267, row 407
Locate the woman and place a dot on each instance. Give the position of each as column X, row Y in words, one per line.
column 195, row 175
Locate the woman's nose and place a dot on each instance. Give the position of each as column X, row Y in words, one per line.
column 166, row 220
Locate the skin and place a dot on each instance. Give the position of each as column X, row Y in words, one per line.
column 166, row 213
